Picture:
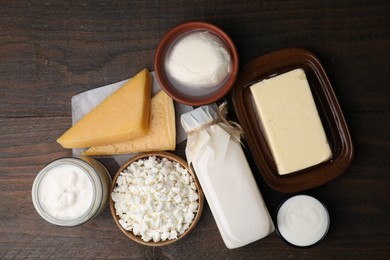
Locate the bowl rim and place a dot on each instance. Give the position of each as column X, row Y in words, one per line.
column 171, row 157
column 177, row 32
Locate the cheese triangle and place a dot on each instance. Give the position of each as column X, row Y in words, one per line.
column 124, row 115
column 161, row 135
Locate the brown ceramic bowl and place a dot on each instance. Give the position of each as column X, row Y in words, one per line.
column 328, row 108
column 176, row 91
column 174, row 158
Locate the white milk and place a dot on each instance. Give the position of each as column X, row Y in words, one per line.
column 215, row 154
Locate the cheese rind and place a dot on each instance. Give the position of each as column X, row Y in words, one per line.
column 160, row 137
column 122, row 116
column 291, row 121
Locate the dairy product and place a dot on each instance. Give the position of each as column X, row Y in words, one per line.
column 214, row 152
column 71, row 191
column 122, row 116
column 198, row 60
column 161, row 133
column 155, row 199
column 291, row 122
column 66, row 192
column 302, row 220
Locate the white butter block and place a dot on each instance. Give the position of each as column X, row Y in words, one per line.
column 291, row 122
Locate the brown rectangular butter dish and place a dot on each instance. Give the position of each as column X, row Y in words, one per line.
column 262, row 144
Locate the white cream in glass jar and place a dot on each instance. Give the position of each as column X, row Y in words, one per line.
column 302, row 221
column 71, row 191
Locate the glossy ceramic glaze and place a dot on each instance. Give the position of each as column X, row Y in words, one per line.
column 328, row 108
column 174, row 91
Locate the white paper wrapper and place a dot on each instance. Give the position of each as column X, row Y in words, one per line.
column 213, row 140
column 86, row 101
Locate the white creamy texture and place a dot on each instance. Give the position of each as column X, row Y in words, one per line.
column 199, row 60
column 302, row 220
column 292, row 125
column 156, row 199
column 65, row 192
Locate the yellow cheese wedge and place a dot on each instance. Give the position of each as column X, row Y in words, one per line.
column 161, row 135
column 122, row 116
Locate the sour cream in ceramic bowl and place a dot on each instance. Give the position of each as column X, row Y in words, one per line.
column 196, row 63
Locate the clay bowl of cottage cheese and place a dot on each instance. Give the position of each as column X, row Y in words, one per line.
column 196, row 63
column 155, row 199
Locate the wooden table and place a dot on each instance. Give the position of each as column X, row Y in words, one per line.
column 50, row 51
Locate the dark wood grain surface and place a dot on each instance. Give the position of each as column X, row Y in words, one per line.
column 50, row 51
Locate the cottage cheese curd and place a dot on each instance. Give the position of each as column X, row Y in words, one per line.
column 156, row 199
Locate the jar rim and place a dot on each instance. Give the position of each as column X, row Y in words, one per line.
column 322, row 205
column 96, row 189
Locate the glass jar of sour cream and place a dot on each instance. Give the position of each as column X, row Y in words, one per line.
column 302, row 221
column 71, row 191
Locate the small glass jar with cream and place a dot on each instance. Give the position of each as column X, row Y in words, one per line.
column 70, row 191
column 302, row 221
